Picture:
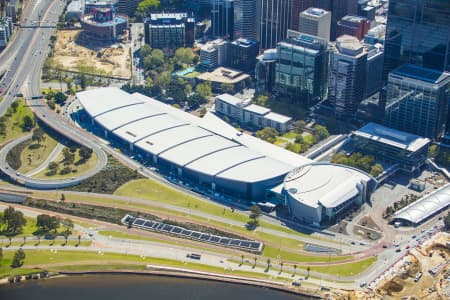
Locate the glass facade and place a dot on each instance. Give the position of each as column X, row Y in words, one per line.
column 417, row 100
column 418, row 32
column 302, row 67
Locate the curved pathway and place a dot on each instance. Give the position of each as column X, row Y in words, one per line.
column 45, row 183
column 53, row 155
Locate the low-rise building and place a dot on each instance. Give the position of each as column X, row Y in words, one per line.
column 220, row 76
column 408, row 151
column 247, row 113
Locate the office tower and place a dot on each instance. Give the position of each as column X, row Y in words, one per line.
column 245, row 19
column 348, row 62
column 169, row 30
column 315, row 21
column 417, row 100
column 222, row 16
column 338, row 9
column 214, row 54
column 353, row 25
column 301, row 5
column 302, row 66
column 273, row 20
column 374, row 71
column 375, row 35
column 265, row 71
column 127, row 7
column 242, row 54
column 418, row 32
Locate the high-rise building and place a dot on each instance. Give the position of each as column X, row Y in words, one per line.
column 169, row 30
column 348, row 63
column 302, row 66
column 315, row 21
column 242, row 54
column 375, row 58
column 214, row 54
column 127, row 7
column 244, row 19
column 353, row 25
column 273, row 21
column 417, row 100
column 265, row 71
column 418, row 32
column 338, row 9
column 222, row 18
column 301, row 5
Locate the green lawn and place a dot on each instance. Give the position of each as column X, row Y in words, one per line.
column 14, row 121
column 43, row 242
column 77, row 169
column 348, row 269
column 290, row 135
column 33, row 158
column 150, row 189
column 28, row 229
column 285, row 243
column 85, row 260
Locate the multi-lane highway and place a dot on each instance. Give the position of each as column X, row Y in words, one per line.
column 24, row 74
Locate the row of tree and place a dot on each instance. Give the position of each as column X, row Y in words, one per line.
column 357, row 160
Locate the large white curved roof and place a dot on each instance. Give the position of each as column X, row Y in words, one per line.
column 324, row 184
column 421, row 209
column 207, row 145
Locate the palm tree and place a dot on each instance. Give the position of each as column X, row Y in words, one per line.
column 24, row 240
column 295, row 270
column 308, row 269
column 281, row 267
column 254, row 265
column 268, row 264
column 10, row 238
column 242, row 259
column 79, row 240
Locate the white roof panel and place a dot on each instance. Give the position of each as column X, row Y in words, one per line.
column 256, row 109
column 277, row 118
column 222, row 160
column 232, row 100
column 327, row 184
column 256, row 170
column 121, row 116
column 164, row 140
column 142, row 128
column 102, row 100
column 190, row 151
column 428, row 205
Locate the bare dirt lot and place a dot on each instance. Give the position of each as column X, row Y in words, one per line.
column 113, row 60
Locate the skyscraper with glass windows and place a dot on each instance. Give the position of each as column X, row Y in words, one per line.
column 418, row 32
column 245, row 19
column 273, row 20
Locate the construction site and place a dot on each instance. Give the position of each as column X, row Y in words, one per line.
column 78, row 55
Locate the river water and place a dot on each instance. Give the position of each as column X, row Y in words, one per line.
column 135, row 287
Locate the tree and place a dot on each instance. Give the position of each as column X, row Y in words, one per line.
column 69, row 157
column 295, row 270
column 268, row 263
column 281, row 267
column 85, row 153
column 63, row 197
column 184, row 56
column 79, row 240
column 53, row 166
column 433, row 151
column 196, row 100
column 447, row 221
column 60, row 98
column 14, row 221
column 146, row 50
column 47, row 223
column 204, row 89
column 308, row 269
column 242, row 259
column 14, row 106
column 268, row 134
column 299, row 139
column 376, row 170
column 255, row 212
column 38, row 135
column 19, row 257
column 321, row 132
column 146, row 6
column 27, row 123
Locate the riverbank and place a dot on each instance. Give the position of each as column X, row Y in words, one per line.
column 162, row 271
